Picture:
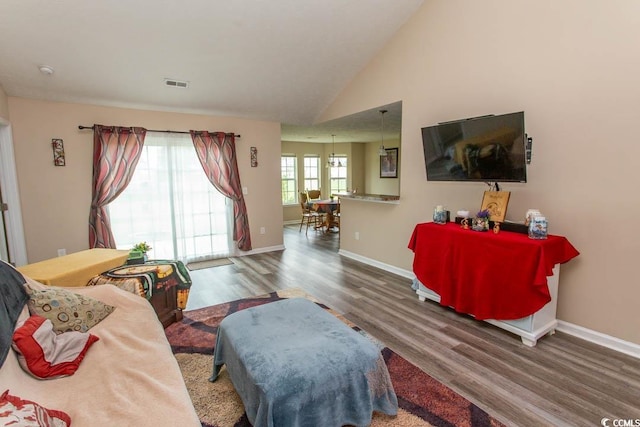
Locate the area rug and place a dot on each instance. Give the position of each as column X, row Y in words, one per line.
column 422, row 400
column 199, row 265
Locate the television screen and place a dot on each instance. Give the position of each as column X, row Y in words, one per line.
column 487, row 148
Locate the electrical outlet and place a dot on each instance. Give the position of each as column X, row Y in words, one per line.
column 357, row 235
column 262, row 230
column 62, row 252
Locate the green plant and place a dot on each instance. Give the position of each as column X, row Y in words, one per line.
column 142, row 247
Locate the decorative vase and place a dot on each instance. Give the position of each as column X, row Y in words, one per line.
column 480, row 224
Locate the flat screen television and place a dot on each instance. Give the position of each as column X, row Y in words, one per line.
column 486, row 149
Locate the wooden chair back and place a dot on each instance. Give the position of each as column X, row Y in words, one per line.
column 303, row 202
column 314, row 194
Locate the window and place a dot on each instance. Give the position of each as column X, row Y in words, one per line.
column 311, row 172
column 171, row 204
column 289, row 174
column 338, row 175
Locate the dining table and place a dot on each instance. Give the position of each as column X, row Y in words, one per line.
column 328, row 207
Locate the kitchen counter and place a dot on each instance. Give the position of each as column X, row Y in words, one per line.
column 379, row 198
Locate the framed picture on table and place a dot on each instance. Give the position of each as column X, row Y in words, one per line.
column 496, row 203
column 389, row 164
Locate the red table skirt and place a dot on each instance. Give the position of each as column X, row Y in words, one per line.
column 490, row 276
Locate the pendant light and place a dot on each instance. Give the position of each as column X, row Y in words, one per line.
column 332, row 162
column 334, row 151
column 381, row 150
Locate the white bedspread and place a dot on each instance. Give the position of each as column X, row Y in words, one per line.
column 128, row 378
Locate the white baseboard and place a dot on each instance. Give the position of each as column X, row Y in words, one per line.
column 595, row 337
column 599, row 338
column 259, row 250
column 381, row 265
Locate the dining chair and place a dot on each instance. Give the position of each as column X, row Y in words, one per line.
column 314, row 194
column 309, row 215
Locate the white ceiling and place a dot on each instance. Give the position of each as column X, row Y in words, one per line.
column 278, row 60
column 364, row 126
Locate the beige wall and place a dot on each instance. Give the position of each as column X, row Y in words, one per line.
column 358, row 171
column 4, row 104
column 55, row 200
column 573, row 67
column 374, row 184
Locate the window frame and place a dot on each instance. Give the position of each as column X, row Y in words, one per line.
column 336, row 189
column 306, row 180
column 292, row 178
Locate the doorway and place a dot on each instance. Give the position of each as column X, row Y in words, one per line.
column 12, row 244
column 4, row 244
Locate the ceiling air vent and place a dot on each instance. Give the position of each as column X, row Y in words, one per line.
column 176, row 83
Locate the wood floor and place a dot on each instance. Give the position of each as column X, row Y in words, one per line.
column 563, row 381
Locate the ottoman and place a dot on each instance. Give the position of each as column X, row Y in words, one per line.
column 295, row 364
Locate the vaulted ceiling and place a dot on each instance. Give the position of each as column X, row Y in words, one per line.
column 278, row 60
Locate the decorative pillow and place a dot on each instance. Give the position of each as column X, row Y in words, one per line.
column 67, row 311
column 12, row 300
column 25, row 413
column 46, row 355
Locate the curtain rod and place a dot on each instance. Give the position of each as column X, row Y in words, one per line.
column 152, row 130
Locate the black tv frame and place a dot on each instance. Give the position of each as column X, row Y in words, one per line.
column 489, row 148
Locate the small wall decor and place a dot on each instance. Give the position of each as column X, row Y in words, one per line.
column 389, row 164
column 58, row 152
column 254, row 157
column 496, row 203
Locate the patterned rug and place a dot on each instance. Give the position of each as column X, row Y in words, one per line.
column 423, row 401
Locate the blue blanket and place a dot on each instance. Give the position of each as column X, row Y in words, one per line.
column 294, row 364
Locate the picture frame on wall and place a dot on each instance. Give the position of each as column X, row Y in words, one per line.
column 254, row 157
column 58, row 152
column 496, row 202
column 389, row 164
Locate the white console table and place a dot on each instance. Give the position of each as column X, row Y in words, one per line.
column 529, row 328
column 520, row 274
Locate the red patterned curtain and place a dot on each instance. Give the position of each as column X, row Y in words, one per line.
column 116, row 151
column 217, row 154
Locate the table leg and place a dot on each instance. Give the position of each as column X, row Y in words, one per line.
column 322, row 224
column 331, row 222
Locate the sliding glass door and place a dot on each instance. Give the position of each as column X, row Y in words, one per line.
column 171, row 205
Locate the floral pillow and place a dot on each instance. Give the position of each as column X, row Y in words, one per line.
column 67, row 310
column 25, row 413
